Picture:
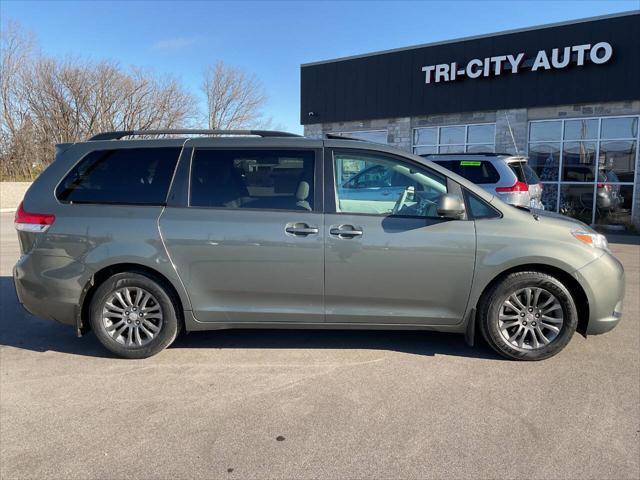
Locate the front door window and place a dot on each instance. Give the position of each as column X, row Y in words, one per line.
column 380, row 185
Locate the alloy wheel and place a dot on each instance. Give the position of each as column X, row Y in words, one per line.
column 530, row 318
column 132, row 316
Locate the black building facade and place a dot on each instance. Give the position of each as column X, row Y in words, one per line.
column 568, row 95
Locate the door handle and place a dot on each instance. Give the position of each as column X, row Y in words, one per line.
column 345, row 231
column 300, row 229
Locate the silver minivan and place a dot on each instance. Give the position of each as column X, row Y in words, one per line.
column 508, row 176
column 138, row 239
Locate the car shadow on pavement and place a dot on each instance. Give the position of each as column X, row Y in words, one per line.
column 406, row 341
column 19, row 329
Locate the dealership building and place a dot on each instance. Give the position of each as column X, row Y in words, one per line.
column 567, row 95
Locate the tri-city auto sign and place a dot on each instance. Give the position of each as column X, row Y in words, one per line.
column 558, row 58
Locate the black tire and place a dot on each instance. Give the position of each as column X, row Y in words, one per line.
column 168, row 331
column 492, row 301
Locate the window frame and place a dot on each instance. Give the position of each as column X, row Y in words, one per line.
column 464, row 145
column 354, row 133
column 330, row 190
column 318, row 198
column 559, row 183
column 170, row 187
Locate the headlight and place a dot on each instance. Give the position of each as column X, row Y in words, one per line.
column 595, row 240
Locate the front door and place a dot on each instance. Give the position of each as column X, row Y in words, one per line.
column 248, row 245
column 389, row 258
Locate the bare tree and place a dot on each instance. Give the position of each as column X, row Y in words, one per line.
column 16, row 50
column 47, row 101
column 44, row 101
column 72, row 100
column 234, row 98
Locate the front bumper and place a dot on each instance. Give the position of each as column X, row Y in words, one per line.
column 604, row 283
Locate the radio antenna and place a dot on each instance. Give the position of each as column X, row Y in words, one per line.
column 513, row 138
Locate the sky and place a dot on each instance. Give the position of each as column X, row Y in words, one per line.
column 271, row 39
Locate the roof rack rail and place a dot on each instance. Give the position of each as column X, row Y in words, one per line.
column 117, row 135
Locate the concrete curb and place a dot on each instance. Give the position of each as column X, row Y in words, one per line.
column 7, row 210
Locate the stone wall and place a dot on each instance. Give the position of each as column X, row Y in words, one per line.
column 398, row 129
column 631, row 107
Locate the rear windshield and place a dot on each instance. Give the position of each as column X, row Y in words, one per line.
column 135, row 176
column 524, row 172
column 476, row 171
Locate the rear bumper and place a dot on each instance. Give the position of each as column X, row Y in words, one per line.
column 49, row 286
column 604, row 283
column 519, row 199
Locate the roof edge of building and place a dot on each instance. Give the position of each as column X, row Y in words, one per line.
column 476, row 37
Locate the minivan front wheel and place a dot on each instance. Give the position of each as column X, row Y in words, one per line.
column 528, row 316
column 133, row 315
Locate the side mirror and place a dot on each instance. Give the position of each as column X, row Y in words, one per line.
column 450, row 206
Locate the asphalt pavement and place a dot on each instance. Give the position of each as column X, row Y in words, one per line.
column 315, row 404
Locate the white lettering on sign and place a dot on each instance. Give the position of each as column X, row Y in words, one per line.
column 557, row 59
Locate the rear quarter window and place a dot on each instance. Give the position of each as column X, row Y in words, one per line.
column 477, row 171
column 132, row 176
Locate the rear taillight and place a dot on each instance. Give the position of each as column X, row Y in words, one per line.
column 32, row 222
column 516, row 187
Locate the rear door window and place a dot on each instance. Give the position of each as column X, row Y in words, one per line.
column 524, row 172
column 477, row 171
column 254, row 179
column 131, row 176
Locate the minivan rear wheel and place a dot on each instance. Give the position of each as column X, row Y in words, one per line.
column 133, row 316
column 528, row 316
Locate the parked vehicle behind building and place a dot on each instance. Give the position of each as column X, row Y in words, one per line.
column 508, row 176
column 139, row 239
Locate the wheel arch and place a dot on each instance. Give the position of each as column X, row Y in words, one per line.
column 100, row 276
column 574, row 287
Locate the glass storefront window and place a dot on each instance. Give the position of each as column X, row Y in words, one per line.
column 591, row 164
column 475, row 138
column 619, row 156
column 486, row 148
column 451, row 149
column 425, row 136
column 577, row 201
column 545, row 131
column 578, row 161
column 481, row 133
column 425, row 150
column 452, row 135
column 581, row 129
column 613, row 205
column 626, row 127
column 375, row 136
column 544, row 158
column 550, row 196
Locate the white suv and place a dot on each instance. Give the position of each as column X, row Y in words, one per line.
column 508, row 176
